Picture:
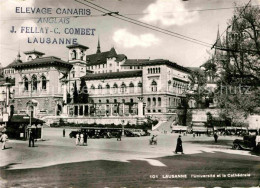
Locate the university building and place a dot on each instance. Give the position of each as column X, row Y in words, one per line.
column 117, row 86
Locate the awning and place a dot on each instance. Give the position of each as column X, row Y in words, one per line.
column 179, row 128
column 198, row 123
column 24, row 119
column 199, row 129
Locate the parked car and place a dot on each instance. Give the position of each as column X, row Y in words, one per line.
column 248, row 143
column 138, row 132
column 130, row 134
column 73, row 134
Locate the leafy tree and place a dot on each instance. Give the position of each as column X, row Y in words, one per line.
column 238, row 91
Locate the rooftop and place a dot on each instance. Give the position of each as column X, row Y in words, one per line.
column 77, row 46
column 34, row 52
column 43, row 61
column 165, row 62
column 134, row 62
column 111, row 75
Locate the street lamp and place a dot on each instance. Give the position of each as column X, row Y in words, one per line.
column 123, row 128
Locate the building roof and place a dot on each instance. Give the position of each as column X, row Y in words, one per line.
column 101, row 58
column 77, row 46
column 42, row 61
column 24, row 119
column 134, row 62
column 165, row 62
column 111, row 75
column 34, row 52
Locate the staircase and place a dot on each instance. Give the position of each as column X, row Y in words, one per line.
column 165, row 126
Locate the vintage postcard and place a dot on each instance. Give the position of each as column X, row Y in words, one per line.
column 129, row 93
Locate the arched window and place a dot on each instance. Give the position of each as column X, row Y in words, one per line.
column 154, row 86
column 92, row 86
column 107, row 100
column 44, row 83
column 99, row 89
column 82, row 54
column 123, row 100
column 74, row 55
column 148, row 102
column 29, row 58
column 131, row 100
column 159, row 101
column 26, row 84
column 154, row 101
column 159, row 70
column 123, row 88
column 131, row 85
column 108, row 88
column 115, row 88
column 34, row 83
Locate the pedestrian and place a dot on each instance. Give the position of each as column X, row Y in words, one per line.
column 119, row 136
column 77, row 139
column 81, row 139
column 85, row 138
column 31, row 138
column 179, row 146
column 216, row 137
column 64, row 132
column 4, row 139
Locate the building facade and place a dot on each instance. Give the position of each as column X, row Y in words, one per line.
column 116, row 85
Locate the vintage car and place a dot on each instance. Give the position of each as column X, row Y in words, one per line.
column 247, row 143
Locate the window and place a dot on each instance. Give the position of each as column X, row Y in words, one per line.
column 108, row 88
column 123, row 100
column 115, row 88
column 154, row 101
column 123, row 88
column 107, row 101
column 34, row 83
column 154, row 86
column 159, row 101
column 115, row 101
column 131, row 85
column 74, row 55
column 100, row 89
column 148, row 102
column 26, row 84
column 44, row 82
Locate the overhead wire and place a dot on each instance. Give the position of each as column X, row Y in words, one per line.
column 147, row 25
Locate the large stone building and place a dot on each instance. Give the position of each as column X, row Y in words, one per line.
column 117, row 86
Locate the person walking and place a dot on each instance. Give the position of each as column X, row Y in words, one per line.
column 179, row 146
column 31, row 138
column 77, row 139
column 64, row 132
column 85, row 138
column 4, row 139
column 216, row 137
column 119, row 136
column 81, row 139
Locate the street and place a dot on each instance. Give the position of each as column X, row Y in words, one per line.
column 132, row 162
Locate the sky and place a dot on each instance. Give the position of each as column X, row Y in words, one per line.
column 134, row 41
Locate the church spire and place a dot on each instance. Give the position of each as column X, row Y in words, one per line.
column 218, row 45
column 98, row 47
column 218, row 41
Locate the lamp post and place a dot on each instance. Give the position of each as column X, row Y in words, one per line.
column 123, row 127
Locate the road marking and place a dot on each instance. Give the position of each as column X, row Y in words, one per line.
column 154, row 162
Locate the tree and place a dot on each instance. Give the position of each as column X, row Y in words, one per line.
column 238, row 91
column 75, row 93
column 83, row 96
